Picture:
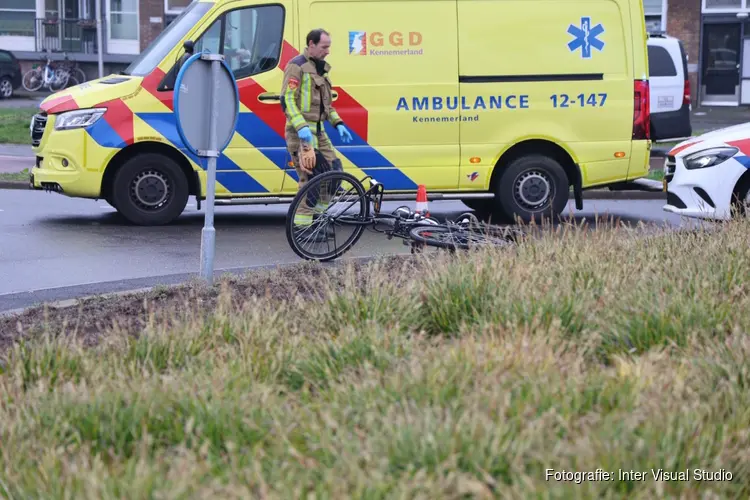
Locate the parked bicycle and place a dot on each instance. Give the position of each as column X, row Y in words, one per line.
column 336, row 201
column 53, row 76
column 76, row 73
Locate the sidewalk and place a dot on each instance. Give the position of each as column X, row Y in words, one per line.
column 706, row 119
column 16, row 150
column 23, row 99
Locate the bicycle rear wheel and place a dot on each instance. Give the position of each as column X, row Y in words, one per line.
column 32, row 80
column 327, row 216
column 458, row 237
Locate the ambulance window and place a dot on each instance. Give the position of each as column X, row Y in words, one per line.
column 210, row 39
column 252, row 39
column 660, row 62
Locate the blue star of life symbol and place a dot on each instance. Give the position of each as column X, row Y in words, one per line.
column 585, row 37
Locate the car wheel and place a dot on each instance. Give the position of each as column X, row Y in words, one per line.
column 532, row 187
column 6, row 88
column 150, row 190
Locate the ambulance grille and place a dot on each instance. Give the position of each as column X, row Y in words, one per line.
column 38, row 123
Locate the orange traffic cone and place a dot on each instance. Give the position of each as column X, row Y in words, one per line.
column 422, row 201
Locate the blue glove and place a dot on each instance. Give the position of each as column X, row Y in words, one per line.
column 305, row 134
column 344, row 133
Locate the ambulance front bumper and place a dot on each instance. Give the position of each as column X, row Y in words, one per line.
column 59, row 164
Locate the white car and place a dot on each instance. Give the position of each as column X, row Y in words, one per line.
column 669, row 85
column 708, row 177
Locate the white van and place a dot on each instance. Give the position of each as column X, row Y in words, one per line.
column 670, row 88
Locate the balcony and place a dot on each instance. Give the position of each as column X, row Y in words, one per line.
column 67, row 35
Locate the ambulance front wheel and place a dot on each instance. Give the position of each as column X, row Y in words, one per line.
column 150, row 190
column 533, row 187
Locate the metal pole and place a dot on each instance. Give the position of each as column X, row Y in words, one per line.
column 208, row 242
column 99, row 45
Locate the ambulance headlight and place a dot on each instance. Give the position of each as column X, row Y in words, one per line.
column 79, row 118
column 709, row 157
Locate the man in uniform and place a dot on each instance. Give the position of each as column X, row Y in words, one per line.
column 307, row 101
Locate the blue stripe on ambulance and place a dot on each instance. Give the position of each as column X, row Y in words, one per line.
column 228, row 173
column 270, row 144
column 264, row 138
column 370, row 161
column 104, row 135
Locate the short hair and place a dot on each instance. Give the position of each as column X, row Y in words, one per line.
column 315, row 35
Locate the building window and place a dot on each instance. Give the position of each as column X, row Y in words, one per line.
column 654, row 10
column 653, row 23
column 17, row 18
column 725, row 6
column 175, row 6
column 123, row 18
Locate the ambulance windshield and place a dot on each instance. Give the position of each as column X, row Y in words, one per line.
column 160, row 47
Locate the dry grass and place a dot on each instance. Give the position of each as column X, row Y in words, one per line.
column 464, row 376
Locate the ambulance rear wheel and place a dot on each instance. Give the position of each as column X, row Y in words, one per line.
column 150, row 190
column 533, row 187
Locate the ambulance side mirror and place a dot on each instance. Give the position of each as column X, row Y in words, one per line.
column 171, row 77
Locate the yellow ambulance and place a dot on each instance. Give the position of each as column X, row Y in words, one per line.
column 504, row 104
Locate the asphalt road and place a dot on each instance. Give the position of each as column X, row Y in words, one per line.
column 51, row 241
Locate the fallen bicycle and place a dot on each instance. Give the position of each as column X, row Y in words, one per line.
column 337, row 200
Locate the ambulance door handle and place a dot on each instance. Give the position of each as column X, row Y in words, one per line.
column 269, row 97
column 334, row 95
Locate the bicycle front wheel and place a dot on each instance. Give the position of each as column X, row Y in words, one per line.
column 327, row 216
column 457, row 237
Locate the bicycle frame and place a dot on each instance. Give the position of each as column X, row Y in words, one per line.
column 374, row 196
column 410, row 226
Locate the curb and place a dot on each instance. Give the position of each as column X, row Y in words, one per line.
column 604, row 194
column 62, row 297
column 14, row 185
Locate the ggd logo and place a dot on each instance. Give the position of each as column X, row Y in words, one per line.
column 360, row 41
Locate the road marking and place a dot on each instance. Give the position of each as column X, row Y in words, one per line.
column 13, row 157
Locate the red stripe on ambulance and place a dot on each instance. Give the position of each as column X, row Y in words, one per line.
column 120, row 118
column 352, row 112
column 151, row 83
column 287, row 53
column 271, row 115
column 60, row 105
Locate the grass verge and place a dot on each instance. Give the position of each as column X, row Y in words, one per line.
column 14, row 125
column 22, row 176
column 455, row 376
column 655, row 175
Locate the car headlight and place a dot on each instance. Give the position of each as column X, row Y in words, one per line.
column 709, row 157
column 78, row 119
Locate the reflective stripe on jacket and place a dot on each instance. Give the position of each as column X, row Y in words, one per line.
column 306, row 96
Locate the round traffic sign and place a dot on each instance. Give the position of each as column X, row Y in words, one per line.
column 192, row 103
